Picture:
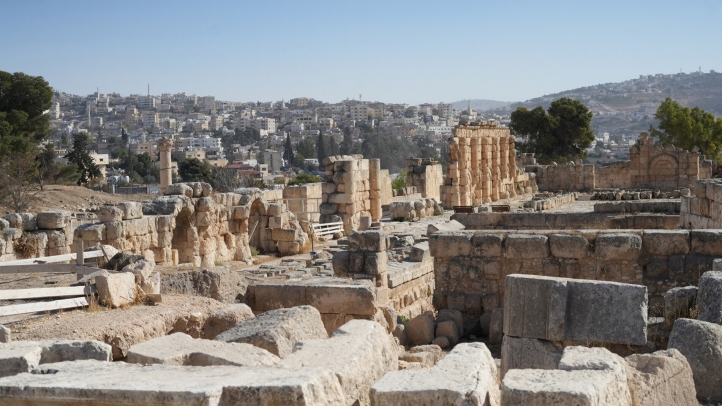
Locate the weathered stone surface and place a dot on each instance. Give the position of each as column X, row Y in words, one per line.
column 220, row 284
column 21, row 221
column 5, row 334
column 131, row 210
column 115, row 290
column 53, row 220
column 278, row 330
column 449, row 330
column 359, row 353
column 559, row 309
column 452, row 314
column 451, row 225
column 666, row 242
column 23, row 356
column 182, row 349
column 118, row 383
column 420, row 252
column 367, row 241
column 442, row 342
column 179, row 189
column 420, row 329
column 110, row 213
column 678, row 303
column 486, row 245
column 496, row 326
column 466, row 376
column 331, row 298
column 432, row 349
column 618, row 246
column 142, row 269
column 535, row 307
column 701, row 344
column 522, row 246
column 225, row 319
column 529, row 353
column 586, row 377
column 709, row 297
column 568, row 246
column 663, row 378
column 608, row 312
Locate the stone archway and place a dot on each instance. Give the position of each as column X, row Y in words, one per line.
column 664, row 171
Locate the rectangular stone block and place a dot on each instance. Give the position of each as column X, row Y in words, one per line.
column 522, row 246
column 283, row 234
column 666, row 242
column 529, row 353
column 341, row 299
column 618, row 247
column 535, row 307
column 450, row 244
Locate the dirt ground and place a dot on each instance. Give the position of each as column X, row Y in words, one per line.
column 73, row 198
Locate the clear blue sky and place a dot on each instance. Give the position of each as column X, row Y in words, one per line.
column 392, row 51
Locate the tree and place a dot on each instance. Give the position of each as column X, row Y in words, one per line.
column 64, row 140
column 303, row 178
column 194, row 170
column 331, row 146
column 321, row 152
column 79, row 156
column 288, row 150
column 47, row 167
column 688, row 128
column 224, row 179
column 307, row 148
column 561, row 133
column 347, row 143
column 17, row 189
column 23, row 101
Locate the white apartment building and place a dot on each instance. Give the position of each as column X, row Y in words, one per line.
column 446, row 110
column 150, row 119
column 55, row 111
column 204, row 142
column 145, row 102
column 360, row 112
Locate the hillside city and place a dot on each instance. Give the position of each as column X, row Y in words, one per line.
column 213, row 130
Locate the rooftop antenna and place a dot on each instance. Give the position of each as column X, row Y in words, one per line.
column 359, row 97
column 148, row 89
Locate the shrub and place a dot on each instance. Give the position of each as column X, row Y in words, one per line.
column 400, row 181
column 303, row 178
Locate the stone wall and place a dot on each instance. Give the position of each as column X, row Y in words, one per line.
column 703, row 209
column 482, row 167
column 572, row 176
column 426, row 175
column 351, row 189
column 25, row 235
column 544, row 201
column 615, row 176
column 304, row 201
column 191, row 224
column 565, row 221
column 470, row 267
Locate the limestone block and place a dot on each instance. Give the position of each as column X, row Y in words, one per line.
column 284, row 234
column 496, row 326
column 142, row 269
column 115, row 290
column 706, row 242
column 678, row 303
column 432, row 349
column 709, row 297
column 367, row 241
column 118, row 383
column 420, row 329
column 466, row 376
column 179, row 189
column 359, row 353
column 276, row 209
column 522, row 246
column 5, row 334
column 53, row 220
column 453, row 315
column 340, row 262
column 286, row 248
column 568, row 246
column 19, row 357
column 91, row 232
column 701, row 344
column 22, row 221
column 204, row 204
column 182, row 349
column 535, row 307
column 277, row 330
column 23, row 356
column 420, row 252
column 450, row 244
column 618, row 247
column 131, row 210
column 375, row 263
column 663, row 378
column 529, row 353
column 449, row 330
column 109, row 214
column 451, row 225
column 666, row 242
column 487, row 245
column 607, row 312
column 241, row 212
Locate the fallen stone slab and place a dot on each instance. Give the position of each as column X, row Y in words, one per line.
column 420, row 329
column 587, row 376
column 278, row 330
column 5, row 334
column 701, row 344
column 709, row 297
column 225, row 319
column 116, row 290
column 359, row 353
column 452, row 225
column 561, row 309
column 182, row 349
column 22, row 356
column 466, row 376
column 678, row 303
column 420, row 252
column 663, row 378
column 529, row 353
column 53, row 220
column 118, row 383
